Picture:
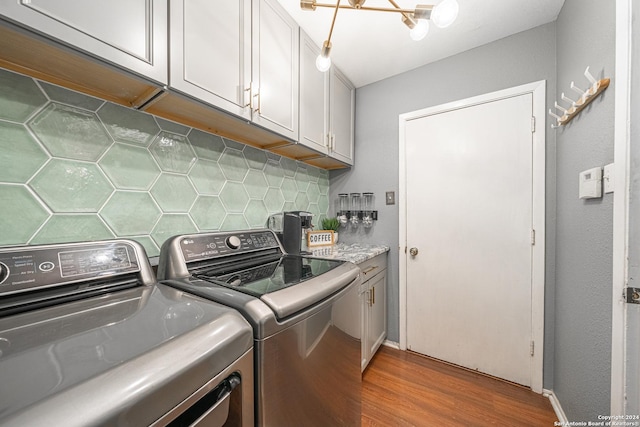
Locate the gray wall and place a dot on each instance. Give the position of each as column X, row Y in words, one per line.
column 582, row 359
column 519, row 59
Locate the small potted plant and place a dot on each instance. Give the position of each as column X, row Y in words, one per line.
column 331, row 224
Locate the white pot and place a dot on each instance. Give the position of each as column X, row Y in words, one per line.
column 335, row 237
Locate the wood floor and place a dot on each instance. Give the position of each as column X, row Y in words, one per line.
column 401, row 388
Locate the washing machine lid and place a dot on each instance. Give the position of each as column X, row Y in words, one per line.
column 287, row 284
column 126, row 357
column 259, row 277
column 253, row 263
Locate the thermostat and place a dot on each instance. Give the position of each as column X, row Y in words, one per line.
column 590, row 184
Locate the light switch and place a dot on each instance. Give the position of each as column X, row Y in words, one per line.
column 608, row 178
column 590, row 186
column 390, row 197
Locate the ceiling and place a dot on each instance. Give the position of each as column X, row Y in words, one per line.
column 370, row 46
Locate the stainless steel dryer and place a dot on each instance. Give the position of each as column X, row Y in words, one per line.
column 87, row 337
column 305, row 314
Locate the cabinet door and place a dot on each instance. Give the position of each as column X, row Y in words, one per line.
column 275, row 68
column 128, row 33
column 342, row 111
column 313, row 98
column 365, row 349
column 377, row 326
column 211, row 52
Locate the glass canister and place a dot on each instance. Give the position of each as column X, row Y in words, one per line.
column 355, row 201
column 367, row 208
column 343, row 208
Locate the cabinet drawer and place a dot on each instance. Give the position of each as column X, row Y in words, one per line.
column 373, row 266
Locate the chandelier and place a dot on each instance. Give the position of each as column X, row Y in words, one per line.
column 442, row 15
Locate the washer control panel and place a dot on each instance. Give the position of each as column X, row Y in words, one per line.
column 215, row 245
column 30, row 268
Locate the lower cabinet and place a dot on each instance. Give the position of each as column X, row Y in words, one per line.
column 374, row 306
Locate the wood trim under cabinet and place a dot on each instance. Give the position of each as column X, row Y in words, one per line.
column 30, row 54
column 182, row 109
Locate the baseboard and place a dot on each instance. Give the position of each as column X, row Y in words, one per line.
column 391, row 344
column 555, row 403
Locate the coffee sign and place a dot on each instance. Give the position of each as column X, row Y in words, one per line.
column 320, row 238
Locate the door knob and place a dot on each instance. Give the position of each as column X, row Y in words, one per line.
column 413, row 251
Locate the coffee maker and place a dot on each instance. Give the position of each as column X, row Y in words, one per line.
column 291, row 228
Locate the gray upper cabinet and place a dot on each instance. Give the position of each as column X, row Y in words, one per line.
column 327, row 106
column 211, row 52
column 314, row 95
column 240, row 56
column 129, row 33
column 341, row 116
column 275, row 76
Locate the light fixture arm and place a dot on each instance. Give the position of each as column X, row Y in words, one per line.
column 416, row 19
column 323, row 62
column 424, row 9
column 407, row 17
column 333, row 22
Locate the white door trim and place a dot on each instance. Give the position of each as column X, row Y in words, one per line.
column 622, row 123
column 538, row 91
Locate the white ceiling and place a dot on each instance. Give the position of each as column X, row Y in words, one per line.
column 370, row 46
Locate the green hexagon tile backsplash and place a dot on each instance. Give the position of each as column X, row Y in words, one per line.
column 75, row 168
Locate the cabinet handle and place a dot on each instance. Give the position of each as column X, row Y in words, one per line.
column 250, row 90
column 374, row 295
column 251, row 103
column 244, row 97
column 370, row 269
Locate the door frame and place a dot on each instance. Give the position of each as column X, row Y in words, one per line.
column 620, row 262
column 538, row 91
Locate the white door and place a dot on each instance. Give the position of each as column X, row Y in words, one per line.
column 469, row 215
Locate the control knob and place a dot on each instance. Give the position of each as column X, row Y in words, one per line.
column 4, row 272
column 233, row 242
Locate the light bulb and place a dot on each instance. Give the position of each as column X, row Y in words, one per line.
column 444, row 13
column 323, row 63
column 420, row 30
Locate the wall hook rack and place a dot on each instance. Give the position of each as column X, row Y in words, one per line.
column 586, row 97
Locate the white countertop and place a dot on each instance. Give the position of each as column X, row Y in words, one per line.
column 354, row 252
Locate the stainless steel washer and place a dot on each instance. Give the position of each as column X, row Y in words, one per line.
column 305, row 314
column 87, row 337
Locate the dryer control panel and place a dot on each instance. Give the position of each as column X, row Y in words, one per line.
column 30, row 268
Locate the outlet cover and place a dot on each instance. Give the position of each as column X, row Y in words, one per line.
column 390, row 197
